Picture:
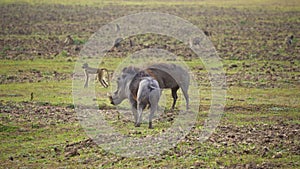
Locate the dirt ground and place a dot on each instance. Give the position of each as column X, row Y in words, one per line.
column 259, row 128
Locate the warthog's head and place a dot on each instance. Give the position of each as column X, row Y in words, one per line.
column 123, row 82
column 120, row 94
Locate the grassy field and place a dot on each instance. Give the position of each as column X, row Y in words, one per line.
column 39, row 127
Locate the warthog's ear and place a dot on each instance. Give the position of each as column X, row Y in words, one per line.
column 85, row 65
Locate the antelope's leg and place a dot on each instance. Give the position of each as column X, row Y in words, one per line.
column 103, row 83
column 86, row 79
column 101, row 78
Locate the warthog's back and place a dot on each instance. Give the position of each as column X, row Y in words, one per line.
column 169, row 75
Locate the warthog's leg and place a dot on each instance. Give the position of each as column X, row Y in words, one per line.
column 140, row 108
column 186, row 96
column 154, row 98
column 174, row 95
column 152, row 111
column 134, row 112
column 133, row 104
column 139, row 115
column 133, row 109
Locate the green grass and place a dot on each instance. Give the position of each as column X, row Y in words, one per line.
column 44, row 65
column 58, row 93
column 29, row 139
column 266, row 116
column 37, row 145
column 8, row 128
column 256, row 96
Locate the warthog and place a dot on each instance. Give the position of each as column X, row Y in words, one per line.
column 171, row 76
column 168, row 76
column 141, row 89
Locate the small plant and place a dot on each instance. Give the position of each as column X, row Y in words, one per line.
column 78, row 41
column 280, row 50
column 3, row 51
column 4, row 128
column 6, row 48
column 35, row 126
column 243, row 22
column 20, row 48
column 63, row 53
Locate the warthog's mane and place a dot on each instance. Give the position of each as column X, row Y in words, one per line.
column 131, row 70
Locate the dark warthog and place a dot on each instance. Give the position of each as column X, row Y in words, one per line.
column 141, row 89
column 171, row 76
column 168, row 76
